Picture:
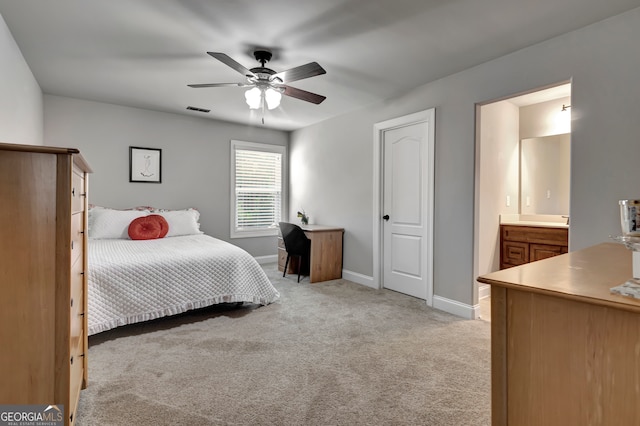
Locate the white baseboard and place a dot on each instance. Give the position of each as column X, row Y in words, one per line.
column 484, row 291
column 267, row 259
column 442, row 303
column 358, row 278
column 456, row 308
column 347, row 275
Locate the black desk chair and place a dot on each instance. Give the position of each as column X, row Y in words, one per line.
column 296, row 243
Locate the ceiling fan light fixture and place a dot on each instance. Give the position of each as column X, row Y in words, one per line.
column 268, row 86
column 273, row 98
column 253, row 97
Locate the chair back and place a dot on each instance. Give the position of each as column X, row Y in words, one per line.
column 295, row 241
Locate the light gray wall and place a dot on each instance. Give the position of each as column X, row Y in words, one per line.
column 330, row 178
column 498, row 178
column 602, row 60
column 20, row 95
column 195, row 159
column 545, row 119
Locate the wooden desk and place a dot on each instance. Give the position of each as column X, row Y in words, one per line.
column 564, row 350
column 326, row 253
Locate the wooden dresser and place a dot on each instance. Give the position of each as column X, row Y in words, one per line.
column 523, row 244
column 564, row 349
column 43, row 238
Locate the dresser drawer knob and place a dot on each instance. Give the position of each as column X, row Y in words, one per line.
column 71, row 361
column 71, row 244
column 72, row 302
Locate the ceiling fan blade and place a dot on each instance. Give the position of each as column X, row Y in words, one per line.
column 225, row 59
column 303, row 95
column 298, row 73
column 198, row 86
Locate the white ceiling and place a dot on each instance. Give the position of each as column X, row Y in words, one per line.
column 143, row 53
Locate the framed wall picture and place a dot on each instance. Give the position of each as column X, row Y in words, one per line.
column 145, row 165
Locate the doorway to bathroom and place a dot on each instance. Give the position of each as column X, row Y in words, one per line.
column 522, row 172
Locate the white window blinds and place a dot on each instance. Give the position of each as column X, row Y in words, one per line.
column 258, row 189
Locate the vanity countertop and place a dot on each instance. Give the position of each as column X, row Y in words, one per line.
column 544, row 221
column 534, row 223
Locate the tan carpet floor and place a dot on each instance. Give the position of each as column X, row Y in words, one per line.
column 333, row 353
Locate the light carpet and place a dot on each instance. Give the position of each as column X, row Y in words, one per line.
column 332, row 353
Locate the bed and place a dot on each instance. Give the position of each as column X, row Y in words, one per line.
column 138, row 280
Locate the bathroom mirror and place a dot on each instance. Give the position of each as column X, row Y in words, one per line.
column 544, row 175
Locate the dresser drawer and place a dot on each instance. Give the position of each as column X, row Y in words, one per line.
column 77, row 236
column 78, row 192
column 76, row 301
column 76, row 372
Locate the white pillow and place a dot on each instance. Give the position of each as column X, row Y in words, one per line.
column 90, row 216
column 182, row 222
column 110, row 224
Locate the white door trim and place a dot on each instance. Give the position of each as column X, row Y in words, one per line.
column 378, row 186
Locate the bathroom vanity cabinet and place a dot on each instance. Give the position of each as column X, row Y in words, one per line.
column 523, row 244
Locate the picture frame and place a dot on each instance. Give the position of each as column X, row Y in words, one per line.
column 145, row 164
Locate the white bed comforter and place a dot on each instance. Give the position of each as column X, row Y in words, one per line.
column 133, row 281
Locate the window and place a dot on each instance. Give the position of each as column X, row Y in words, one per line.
column 258, row 180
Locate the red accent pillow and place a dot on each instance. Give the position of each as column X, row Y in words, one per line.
column 164, row 225
column 148, row 228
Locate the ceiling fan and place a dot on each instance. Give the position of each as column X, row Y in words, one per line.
column 268, row 86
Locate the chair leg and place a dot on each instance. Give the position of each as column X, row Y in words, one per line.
column 286, row 265
column 299, row 268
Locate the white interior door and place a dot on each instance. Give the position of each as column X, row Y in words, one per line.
column 407, row 207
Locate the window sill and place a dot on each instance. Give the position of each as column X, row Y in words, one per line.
column 255, row 234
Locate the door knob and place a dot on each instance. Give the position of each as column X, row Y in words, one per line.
column 385, row 217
